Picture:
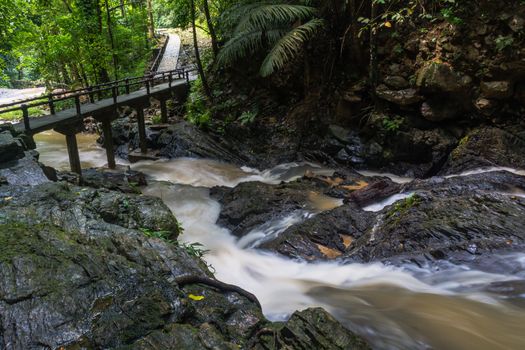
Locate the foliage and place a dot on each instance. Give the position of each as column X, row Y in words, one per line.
column 194, row 249
column 404, row 205
column 72, row 41
column 398, row 12
column 197, row 111
column 17, row 115
column 280, row 30
column 502, row 42
column 392, row 124
column 247, row 117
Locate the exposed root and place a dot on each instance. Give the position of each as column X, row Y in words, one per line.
column 224, row 287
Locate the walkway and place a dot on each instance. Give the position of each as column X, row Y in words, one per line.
column 13, row 95
column 171, row 55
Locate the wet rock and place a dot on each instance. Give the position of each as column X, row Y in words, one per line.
column 10, row 147
column 251, row 204
column 486, row 147
column 324, row 236
column 75, row 272
column 403, row 97
column 23, row 172
column 396, row 82
column 374, row 192
column 186, row 140
column 310, row 329
column 421, row 152
column 437, row 111
column 438, row 78
column 499, row 90
column 122, row 180
column 441, row 224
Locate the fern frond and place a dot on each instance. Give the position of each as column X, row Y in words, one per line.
column 245, row 44
column 265, row 16
column 289, row 45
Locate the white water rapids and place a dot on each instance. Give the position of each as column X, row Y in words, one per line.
column 443, row 306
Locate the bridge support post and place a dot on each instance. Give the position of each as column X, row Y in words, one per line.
column 142, row 130
column 163, row 111
column 72, row 150
column 108, row 143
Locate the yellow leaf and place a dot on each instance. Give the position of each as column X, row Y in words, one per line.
column 388, row 24
column 196, row 297
column 8, row 198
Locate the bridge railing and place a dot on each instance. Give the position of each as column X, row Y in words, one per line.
column 155, row 66
column 92, row 94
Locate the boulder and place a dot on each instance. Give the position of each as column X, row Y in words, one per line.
column 186, row 140
column 443, row 224
column 486, row 147
column 24, row 172
column 435, row 110
column 438, row 78
column 396, row 82
column 499, row 90
column 325, row 236
column 309, row 329
column 251, row 204
column 405, row 97
column 86, row 268
column 10, row 147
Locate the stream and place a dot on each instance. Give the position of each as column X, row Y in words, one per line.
column 440, row 306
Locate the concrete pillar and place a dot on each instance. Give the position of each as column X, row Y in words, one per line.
column 142, row 130
column 163, row 111
column 108, row 143
column 72, row 150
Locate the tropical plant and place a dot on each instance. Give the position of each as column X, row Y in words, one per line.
column 280, row 30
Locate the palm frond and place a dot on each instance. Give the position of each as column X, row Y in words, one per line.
column 266, row 16
column 245, row 44
column 289, row 45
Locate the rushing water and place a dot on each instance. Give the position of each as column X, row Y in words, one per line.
column 440, row 306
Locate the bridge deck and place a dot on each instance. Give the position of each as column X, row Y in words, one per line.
column 69, row 116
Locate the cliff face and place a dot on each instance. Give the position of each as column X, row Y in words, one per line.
column 441, row 74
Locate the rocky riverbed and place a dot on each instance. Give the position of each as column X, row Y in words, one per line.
column 99, row 265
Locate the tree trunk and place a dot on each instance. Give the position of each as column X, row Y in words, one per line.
column 213, row 35
column 205, row 85
column 373, row 74
column 151, row 28
column 112, row 41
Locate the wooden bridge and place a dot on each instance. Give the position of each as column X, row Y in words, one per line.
column 67, row 110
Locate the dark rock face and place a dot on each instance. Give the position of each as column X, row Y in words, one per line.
column 186, row 140
column 127, row 181
column 76, row 272
column 310, row 329
column 457, row 217
column 486, row 147
column 24, row 172
column 251, row 204
column 434, row 227
column 10, row 147
column 326, row 235
column 404, row 97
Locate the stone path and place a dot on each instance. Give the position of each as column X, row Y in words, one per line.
column 12, row 95
column 171, row 55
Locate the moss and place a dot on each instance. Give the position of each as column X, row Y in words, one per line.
column 456, row 153
column 18, row 239
column 403, row 206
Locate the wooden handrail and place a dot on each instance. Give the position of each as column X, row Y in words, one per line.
column 160, row 54
column 91, row 91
